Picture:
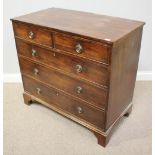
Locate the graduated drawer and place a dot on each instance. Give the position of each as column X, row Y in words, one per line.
column 83, row 47
column 91, row 71
column 33, row 33
column 80, row 89
column 66, row 103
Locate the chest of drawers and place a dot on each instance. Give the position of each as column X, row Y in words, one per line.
column 81, row 65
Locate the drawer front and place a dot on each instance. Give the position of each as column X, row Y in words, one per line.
column 33, row 33
column 89, row 93
column 86, row 69
column 64, row 102
column 82, row 47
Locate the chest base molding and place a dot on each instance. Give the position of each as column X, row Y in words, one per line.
column 102, row 137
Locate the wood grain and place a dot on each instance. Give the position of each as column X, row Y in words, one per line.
column 123, row 75
column 107, row 28
column 65, row 83
column 94, row 72
column 101, row 93
column 41, row 36
column 91, row 49
column 64, row 102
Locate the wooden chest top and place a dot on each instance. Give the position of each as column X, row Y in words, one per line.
column 101, row 27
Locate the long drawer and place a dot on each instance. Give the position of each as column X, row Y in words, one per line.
column 83, row 68
column 64, row 102
column 95, row 95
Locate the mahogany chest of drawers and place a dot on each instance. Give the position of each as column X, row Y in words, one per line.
column 81, row 65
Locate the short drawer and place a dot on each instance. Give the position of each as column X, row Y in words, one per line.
column 64, row 102
column 89, row 70
column 83, row 47
column 33, row 33
column 80, row 89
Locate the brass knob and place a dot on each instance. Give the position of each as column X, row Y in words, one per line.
column 78, row 48
column 34, row 52
column 79, row 89
column 38, row 91
column 79, row 110
column 78, row 68
column 36, row 71
column 31, row 35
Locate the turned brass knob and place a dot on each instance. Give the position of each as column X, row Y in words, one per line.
column 78, row 48
column 38, row 91
column 34, row 52
column 31, row 35
column 78, row 68
column 79, row 89
column 79, row 110
column 36, row 71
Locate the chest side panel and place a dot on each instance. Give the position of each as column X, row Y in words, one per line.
column 125, row 57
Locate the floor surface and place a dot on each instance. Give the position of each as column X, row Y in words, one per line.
column 37, row 130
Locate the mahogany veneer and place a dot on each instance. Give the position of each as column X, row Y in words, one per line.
column 81, row 65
